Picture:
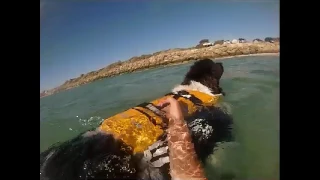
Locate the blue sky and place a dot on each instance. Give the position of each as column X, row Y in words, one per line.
column 80, row 36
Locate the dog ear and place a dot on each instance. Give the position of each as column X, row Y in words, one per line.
column 200, row 69
column 217, row 70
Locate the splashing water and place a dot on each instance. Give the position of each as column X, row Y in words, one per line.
column 91, row 122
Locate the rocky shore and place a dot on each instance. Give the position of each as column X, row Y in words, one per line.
column 167, row 57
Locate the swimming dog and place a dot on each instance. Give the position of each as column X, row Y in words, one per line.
column 132, row 144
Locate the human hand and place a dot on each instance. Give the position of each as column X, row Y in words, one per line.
column 172, row 109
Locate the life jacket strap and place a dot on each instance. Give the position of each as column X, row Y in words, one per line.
column 156, row 109
column 153, row 108
column 186, row 95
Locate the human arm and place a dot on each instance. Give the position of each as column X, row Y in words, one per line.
column 184, row 163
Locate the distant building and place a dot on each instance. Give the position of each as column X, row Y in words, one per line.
column 257, row 40
column 235, row 41
column 207, row 44
column 219, row 42
column 269, row 39
column 242, row 40
column 226, row 42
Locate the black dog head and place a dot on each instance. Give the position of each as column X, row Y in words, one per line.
column 206, row 72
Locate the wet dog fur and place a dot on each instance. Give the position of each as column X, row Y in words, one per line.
column 97, row 155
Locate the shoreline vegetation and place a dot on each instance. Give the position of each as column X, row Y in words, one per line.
column 171, row 57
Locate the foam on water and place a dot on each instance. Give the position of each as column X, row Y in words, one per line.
column 91, row 122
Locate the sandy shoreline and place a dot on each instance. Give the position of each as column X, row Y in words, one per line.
column 185, row 62
column 220, row 58
column 260, row 54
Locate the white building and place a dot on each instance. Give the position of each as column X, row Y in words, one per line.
column 235, row 41
column 207, row 44
column 226, row 42
column 257, row 40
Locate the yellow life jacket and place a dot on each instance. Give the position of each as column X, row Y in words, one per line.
column 139, row 127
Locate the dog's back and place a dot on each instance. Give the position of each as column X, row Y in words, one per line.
column 140, row 126
column 99, row 155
